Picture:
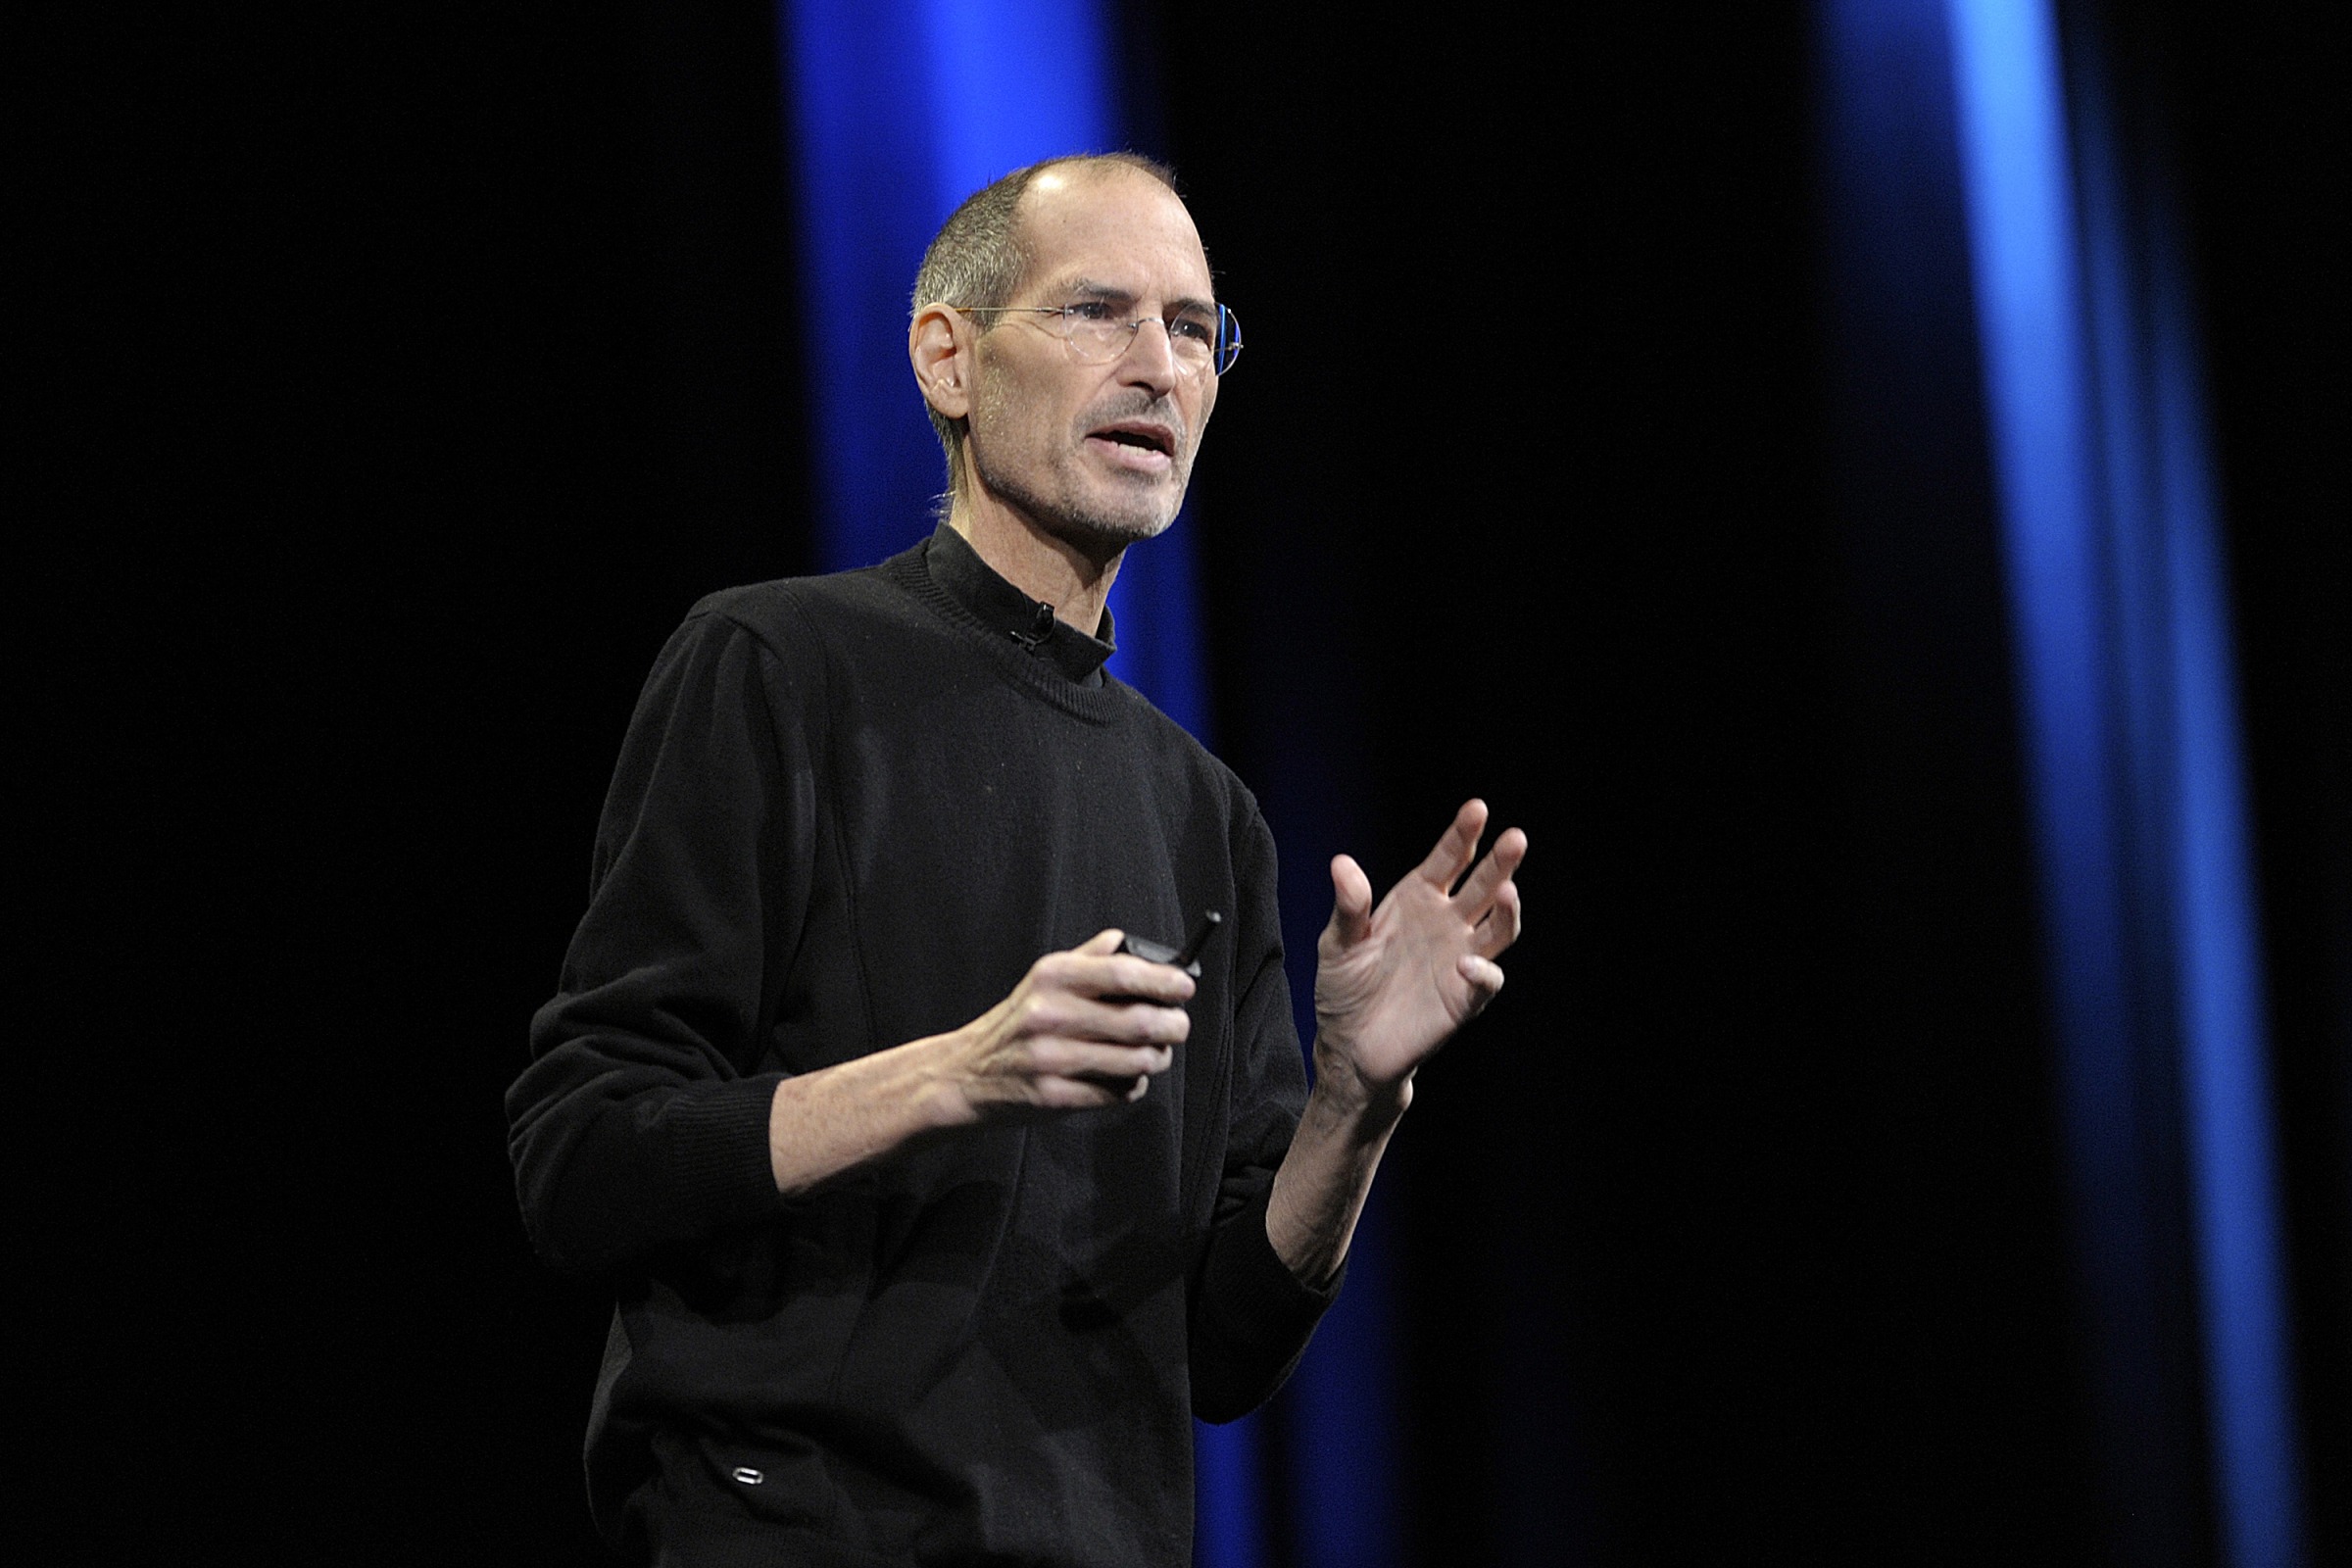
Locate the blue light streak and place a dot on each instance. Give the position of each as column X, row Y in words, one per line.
column 2224, row 1056
column 899, row 109
column 1343, row 1467
column 2120, row 616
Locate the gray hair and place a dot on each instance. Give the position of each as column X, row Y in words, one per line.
column 978, row 259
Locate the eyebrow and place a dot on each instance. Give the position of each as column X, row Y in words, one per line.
column 1088, row 289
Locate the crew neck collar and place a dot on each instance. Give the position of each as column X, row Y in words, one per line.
column 1008, row 612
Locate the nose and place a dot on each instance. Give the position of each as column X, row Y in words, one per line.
column 1151, row 357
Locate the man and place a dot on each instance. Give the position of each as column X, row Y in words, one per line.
column 933, row 1215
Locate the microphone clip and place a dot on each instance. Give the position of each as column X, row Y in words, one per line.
column 1041, row 626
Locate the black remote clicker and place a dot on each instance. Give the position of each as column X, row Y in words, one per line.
column 1187, row 958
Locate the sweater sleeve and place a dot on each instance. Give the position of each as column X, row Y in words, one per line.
column 1251, row 1317
column 640, row 1120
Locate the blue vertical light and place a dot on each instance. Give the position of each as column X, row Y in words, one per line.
column 1011, row 82
column 2013, row 160
column 1336, row 1415
column 1229, row 1505
column 2224, row 1052
column 1344, row 1468
column 1155, row 590
column 864, row 143
column 2126, row 689
column 899, row 109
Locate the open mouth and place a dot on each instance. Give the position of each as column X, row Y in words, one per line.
column 1139, row 438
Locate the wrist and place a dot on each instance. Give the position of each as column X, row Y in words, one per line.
column 943, row 1090
column 1343, row 1095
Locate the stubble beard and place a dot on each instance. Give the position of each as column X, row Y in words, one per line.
column 1072, row 512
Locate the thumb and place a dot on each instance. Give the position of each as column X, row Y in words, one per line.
column 1101, row 943
column 1350, row 903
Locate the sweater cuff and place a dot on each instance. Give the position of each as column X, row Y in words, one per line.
column 1251, row 1284
column 719, row 1157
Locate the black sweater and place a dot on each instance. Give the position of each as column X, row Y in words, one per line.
column 851, row 812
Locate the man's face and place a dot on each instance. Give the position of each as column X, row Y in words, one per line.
column 1096, row 454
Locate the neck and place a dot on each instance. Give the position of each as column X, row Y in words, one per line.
column 1045, row 566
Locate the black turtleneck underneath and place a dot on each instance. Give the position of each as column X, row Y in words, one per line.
column 973, row 583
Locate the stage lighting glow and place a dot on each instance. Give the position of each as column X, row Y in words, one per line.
column 2121, row 630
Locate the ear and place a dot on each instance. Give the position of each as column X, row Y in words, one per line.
column 939, row 343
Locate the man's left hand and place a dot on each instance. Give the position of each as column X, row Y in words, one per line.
column 1394, row 982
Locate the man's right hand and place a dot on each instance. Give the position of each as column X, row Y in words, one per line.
column 1086, row 1028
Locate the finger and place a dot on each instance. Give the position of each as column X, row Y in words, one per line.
column 1451, row 855
column 1484, row 975
column 1501, row 928
column 1125, row 975
column 1478, row 892
column 1115, row 1019
column 1089, row 1094
column 1101, row 942
column 1350, row 900
column 1114, row 974
column 1142, row 1023
column 1094, row 1062
column 1080, row 1094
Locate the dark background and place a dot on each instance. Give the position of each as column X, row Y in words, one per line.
column 398, row 375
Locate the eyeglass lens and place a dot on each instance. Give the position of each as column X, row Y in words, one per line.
column 1197, row 339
